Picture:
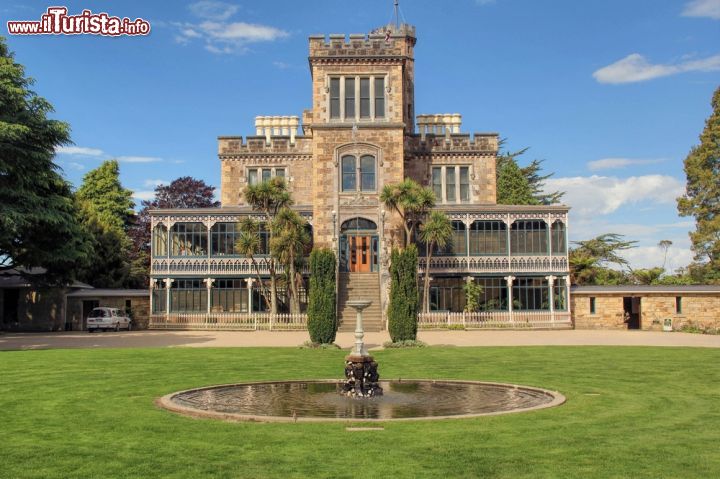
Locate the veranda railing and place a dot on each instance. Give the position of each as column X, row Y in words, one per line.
column 230, row 321
column 495, row 320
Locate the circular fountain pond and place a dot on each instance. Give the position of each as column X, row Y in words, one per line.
column 323, row 401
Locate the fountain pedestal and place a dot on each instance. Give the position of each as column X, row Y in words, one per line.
column 361, row 370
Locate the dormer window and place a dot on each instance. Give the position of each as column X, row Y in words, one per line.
column 357, row 97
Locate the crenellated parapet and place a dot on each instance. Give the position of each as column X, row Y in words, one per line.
column 386, row 42
column 451, row 143
column 230, row 147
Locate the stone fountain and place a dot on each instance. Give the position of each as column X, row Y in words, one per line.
column 361, row 370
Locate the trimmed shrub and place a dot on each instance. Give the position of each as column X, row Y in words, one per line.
column 404, row 298
column 322, row 324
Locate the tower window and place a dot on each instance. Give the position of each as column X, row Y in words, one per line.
column 358, row 176
column 353, row 98
column 257, row 175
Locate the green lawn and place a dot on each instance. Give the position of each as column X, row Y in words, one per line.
column 631, row 412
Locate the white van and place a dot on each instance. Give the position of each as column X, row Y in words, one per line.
column 108, row 318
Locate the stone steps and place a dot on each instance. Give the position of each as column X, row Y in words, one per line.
column 355, row 286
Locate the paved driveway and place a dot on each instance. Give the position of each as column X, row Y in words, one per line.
column 162, row 339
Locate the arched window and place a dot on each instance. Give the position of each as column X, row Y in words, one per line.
column 488, row 238
column 188, row 239
column 159, row 241
column 529, row 237
column 354, row 224
column 358, row 176
column 557, row 238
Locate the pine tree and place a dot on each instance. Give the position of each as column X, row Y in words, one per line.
column 102, row 196
column 107, row 212
column 39, row 225
column 702, row 195
column 531, row 173
column 513, row 187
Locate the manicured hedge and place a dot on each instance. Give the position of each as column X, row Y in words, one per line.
column 322, row 323
column 404, row 298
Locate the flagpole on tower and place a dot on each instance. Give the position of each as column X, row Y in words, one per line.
column 397, row 15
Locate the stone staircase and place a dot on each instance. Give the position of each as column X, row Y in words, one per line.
column 355, row 286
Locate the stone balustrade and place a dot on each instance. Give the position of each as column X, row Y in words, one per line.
column 269, row 126
column 439, row 124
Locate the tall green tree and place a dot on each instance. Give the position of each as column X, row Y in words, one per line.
column 322, row 323
column 591, row 259
column 39, row 224
column 532, row 190
column 289, row 242
column 103, row 197
column 411, row 201
column 702, row 194
column 269, row 197
column 404, row 299
column 107, row 212
column 436, row 231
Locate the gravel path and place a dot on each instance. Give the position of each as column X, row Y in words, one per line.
column 162, row 339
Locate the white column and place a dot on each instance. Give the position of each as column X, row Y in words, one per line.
column 152, row 302
column 509, row 280
column 551, row 281
column 567, row 294
column 168, row 284
column 208, row 285
column 250, row 292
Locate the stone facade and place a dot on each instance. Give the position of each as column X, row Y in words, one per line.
column 685, row 306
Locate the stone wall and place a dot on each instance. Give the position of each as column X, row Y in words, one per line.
column 38, row 310
column 702, row 310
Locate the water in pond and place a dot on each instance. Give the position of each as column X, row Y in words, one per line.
column 321, row 400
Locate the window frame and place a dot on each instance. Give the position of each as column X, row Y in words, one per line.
column 337, row 106
column 458, row 187
column 258, row 172
column 357, row 173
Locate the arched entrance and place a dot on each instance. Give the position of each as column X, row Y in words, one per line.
column 358, row 246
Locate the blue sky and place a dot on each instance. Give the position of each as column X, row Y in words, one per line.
column 612, row 93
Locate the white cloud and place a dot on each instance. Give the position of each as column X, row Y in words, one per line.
column 636, row 68
column 78, row 150
column 138, row 159
column 678, row 255
column 601, row 195
column 144, row 195
column 484, row 2
column 153, row 183
column 702, row 8
column 213, row 10
column 618, row 163
column 222, row 36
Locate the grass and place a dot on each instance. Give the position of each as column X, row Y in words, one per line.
column 631, row 412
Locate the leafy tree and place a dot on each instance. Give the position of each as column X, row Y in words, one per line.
column 103, row 197
column 107, row 212
column 702, row 194
column 184, row 192
column 647, row 276
column 436, row 231
column 404, row 298
column 290, row 239
column 411, row 201
column 472, row 296
column 249, row 244
column 665, row 246
column 39, row 224
column 513, row 187
column 534, row 179
column 322, row 324
column 590, row 260
column 270, row 197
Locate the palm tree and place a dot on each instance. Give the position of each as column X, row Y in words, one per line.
column 289, row 241
column 436, row 231
column 269, row 197
column 248, row 244
column 411, row 201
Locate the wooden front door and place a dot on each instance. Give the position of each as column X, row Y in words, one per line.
column 360, row 254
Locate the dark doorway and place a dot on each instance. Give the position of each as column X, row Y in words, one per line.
column 11, row 299
column 631, row 312
column 88, row 306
